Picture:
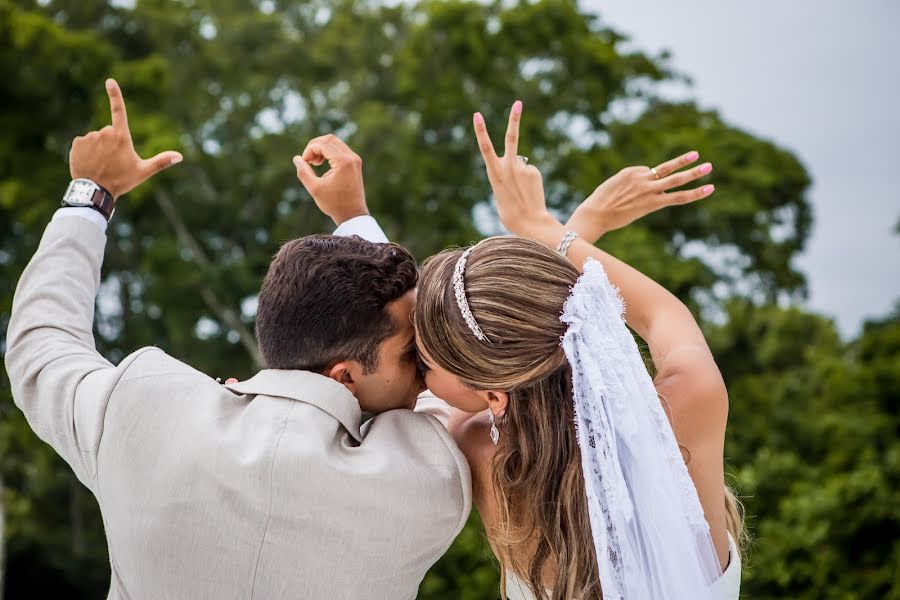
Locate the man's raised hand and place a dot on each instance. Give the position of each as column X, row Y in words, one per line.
column 339, row 193
column 107, row 157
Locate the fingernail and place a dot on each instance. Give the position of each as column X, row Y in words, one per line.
column 517, row 107
column 705, row 168
column 692, row 156
column 708, row 189
column 176, row 160
column 296, row 161
column 478, row 118
column 110, row 83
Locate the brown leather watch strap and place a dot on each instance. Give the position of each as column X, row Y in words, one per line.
column 104, row 202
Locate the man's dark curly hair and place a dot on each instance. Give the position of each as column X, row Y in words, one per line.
column 325, row 300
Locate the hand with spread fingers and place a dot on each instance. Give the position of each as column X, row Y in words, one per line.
column 108, row 158
column 518, row 187
column 635, row 192
column 339, row 193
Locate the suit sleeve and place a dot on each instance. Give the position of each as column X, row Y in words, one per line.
column 59, row 380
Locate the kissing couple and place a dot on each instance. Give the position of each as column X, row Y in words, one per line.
column 502, row 373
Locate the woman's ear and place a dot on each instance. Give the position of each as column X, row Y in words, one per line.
column 497, row 402
column 342, row 372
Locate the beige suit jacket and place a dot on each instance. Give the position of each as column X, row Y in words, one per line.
column 264, row 489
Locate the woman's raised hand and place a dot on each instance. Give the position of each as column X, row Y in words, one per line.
column 518, row 187
column 635, row 192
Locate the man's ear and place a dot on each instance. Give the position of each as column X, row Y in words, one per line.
column 497, row 402
column 344, row 373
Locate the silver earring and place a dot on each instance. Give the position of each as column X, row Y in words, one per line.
column 495, row 433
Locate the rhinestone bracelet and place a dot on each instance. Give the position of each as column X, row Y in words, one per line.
column 565, row 242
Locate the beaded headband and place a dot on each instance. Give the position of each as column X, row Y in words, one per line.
column 459, row 288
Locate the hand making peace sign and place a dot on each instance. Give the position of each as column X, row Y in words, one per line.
column 518, row 187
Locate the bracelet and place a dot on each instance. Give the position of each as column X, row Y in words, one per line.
column 565, row 242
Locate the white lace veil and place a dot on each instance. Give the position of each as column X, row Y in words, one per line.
column 650, row 535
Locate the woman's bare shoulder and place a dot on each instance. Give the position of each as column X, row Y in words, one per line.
column 472, row 435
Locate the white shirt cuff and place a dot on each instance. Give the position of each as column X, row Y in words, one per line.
column 84, row 212
column 364, row 226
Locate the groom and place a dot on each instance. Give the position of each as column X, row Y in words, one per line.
column 268, row 488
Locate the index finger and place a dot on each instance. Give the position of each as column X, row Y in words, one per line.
column 326, row 146
column 116, row 105
column 484, row 143
column 313, row 153
column 512, row 130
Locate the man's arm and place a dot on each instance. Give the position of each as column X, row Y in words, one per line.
column 58, row 378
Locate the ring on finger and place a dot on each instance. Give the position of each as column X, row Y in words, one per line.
column 653, row 171
column 524, row 159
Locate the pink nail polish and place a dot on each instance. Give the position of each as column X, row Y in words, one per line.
column 692, row 156
column 708, row 189
column 705, row 168
column 478, row 118
column 517, row 107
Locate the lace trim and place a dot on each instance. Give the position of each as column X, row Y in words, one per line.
column 644, row 510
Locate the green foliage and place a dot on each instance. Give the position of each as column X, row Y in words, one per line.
column 814, row 450
column 239, row 89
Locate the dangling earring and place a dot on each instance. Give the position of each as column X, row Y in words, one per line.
column 495, row 433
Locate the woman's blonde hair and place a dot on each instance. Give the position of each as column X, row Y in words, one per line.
column 516, row 290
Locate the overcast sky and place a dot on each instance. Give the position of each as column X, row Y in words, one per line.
column 821, row 78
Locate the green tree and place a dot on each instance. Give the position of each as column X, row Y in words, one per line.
column 814, row 449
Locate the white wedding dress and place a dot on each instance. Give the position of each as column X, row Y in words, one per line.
column 726, row 587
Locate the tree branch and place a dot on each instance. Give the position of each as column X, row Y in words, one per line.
column 225, row 314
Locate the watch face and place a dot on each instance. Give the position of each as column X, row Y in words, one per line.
column 80, row 193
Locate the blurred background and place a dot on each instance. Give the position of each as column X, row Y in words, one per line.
column 793, row 265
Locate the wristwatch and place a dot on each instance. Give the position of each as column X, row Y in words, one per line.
column 84, row 192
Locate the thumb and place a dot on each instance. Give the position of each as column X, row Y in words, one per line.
column 305, row 173
column 161, row 161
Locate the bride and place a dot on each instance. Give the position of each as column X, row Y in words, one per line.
column 591, row 479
